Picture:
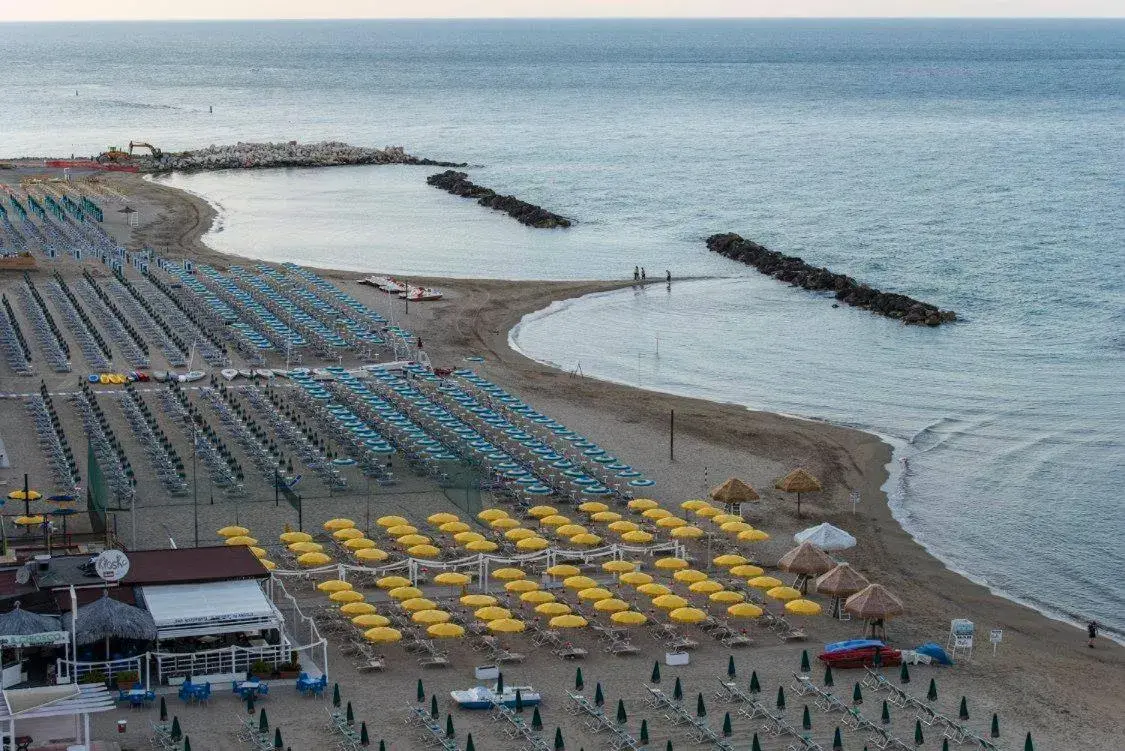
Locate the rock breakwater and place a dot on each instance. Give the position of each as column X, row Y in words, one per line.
column 282, row 154
column 458, row 184
column 847, row 290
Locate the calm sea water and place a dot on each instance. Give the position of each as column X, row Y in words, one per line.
column 977, row 165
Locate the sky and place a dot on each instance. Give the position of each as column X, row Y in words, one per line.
column 104, row 10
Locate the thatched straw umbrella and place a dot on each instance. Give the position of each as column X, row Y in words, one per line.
column 842, row 581
column 20, row 622
column 807, row 560
column 107, row 618
column 874, row 604
column 734, row 492
column 798, row 481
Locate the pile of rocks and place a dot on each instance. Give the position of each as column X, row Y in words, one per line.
column 288, row 154
column 847, row 290
column 523, row 212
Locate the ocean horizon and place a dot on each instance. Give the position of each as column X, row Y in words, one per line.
column 971, row 164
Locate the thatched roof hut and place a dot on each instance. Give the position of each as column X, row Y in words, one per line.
column 798, row 481
column 20, row 622
column 106, row 618
column 807, row 559
column 873, row 602
column 734, row 491
column 841, row 581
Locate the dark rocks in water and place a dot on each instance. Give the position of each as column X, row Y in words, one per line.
column 458, row 184
column 795, row 271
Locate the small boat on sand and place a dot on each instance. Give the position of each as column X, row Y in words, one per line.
column 281, row 373
column 421, row 294
column 160, row 375
column 482, row 697
column 263, row 372
column 246, row 372
column 191, row 375
column 229, row 373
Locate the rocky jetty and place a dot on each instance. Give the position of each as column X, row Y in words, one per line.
column 847, row 290
column 523, row 212
column 284, row 154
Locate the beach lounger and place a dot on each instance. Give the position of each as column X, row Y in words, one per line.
column 572, row 653
column 372, row 664
column 434, row 661
column 623, row 648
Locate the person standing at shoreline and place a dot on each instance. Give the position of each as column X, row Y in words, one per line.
column 1092, row 632
column 636, row 273
column 642, row 273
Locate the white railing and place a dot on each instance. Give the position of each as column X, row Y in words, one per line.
column 70, row 670
column 225, row 661
column 300, row 629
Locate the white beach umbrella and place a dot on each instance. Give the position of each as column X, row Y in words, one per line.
column 826, row 537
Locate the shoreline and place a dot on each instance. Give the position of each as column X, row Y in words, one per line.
column 477, row 317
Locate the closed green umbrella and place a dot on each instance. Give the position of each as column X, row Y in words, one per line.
column 336, row 695
column 857, row 695
column 421, row 692
column 364, row 738
column 730, row 667
column 644, row 733
column 678, row 690
column 727, row 729
column 781, row 698
column 434, row 714
column 449, row 731
column 536, row 720
column 500, row 682
column 176, row 733
column 904, row 674
column 277, row 742
column 559, row 744
column 349, row 715
column 944, row 744
column 622, row 718
column 919, row 739
column 163, row 710
column 805, row 667
column 700, row 707
column 1027, row 744
column 668, row 746
column 383, row 744
column 828, row 676
column 655, row 672
column 837, row 741
column 250, row 703
column 806, row 719
column 579, row 684
column 755, row 745
column 963, row 712
column 519, row 700
column 932, row 693
column 599, row 697
column 755, row 687
column 187, row 743
column 468, row 744
column 263, row 722
column 994, row 729
column 886, row 716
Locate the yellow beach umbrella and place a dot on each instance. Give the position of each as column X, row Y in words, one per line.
column 423, row 551
column 390, row 521
column 563, row 569
column 371, row 555
column 687, row 615
column 521, row 585
column 611, row 605
column 671, row 564
column 570, row 530
column 482, row 546
column 764, row 582
column 733, row 528
column 382, row 634
column 724, row 518
column 706, row 512
column 537, row 597
column 622, row 526
column 508, row 574
column 407, row 592
column 407, row 541
column 579, row 582
column 629, row 618
column 267, row 564
column 357, row 608
column 418, row 603
column 371, row 620
column 538, row 512
column 705, row 587
column 585, row 539
column 346, row 595
column 688, row 532
column 430, row 616
column 306, row 547
column 333, row 525
column 726, row 596
column 729, row 560
column 635, row 578
column 593, row 594
column 291, row 537
column 445, row 630
column 464, row 538
column 532, row 543
column 671, row 522
column 231, row 531
column 554, row 520
column 504, row 522
column 656, row 514
column 478, row 600
column 753, row 535
column 693, row 504
column 619, row 567
column 452, row 578
column 454, row 527
column 19, row 495
column 359, row 543
column 689, row 576
column 492, row 514
column 241, row 540
column 747, row 571
column 592, row 507
column 744, row 610
column 568, row 620
column 399, row 530
column 519, row 533
column 669, row 602
column 334, row 585
column 491, row 613
column 443, row 517
column 257, row 552
column 552, row 608
column 506, row 626
column 802, row 607
column 785, row 594
column 642, row 504
column 637, row 536
column 390, row 582
column 313, row 559
column 603, row 517
column 348, row 533
column 652, row 589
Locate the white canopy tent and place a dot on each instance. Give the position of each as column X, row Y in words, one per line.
column 52, row 713
column 826, row 537
column 209, row 608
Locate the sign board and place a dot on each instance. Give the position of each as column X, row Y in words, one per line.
column 22, row 641
column 996, row 635
column 854, row 498
column 962, row 642
column 112, row 565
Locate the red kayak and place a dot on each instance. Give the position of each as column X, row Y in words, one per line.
column 860, row 658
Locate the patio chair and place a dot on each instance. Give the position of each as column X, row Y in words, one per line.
column 187, row 691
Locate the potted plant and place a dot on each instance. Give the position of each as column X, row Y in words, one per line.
column 260, row 669
column 94, row 676
column 126, row 678
column 290, row 669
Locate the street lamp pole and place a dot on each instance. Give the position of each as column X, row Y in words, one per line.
column 195, row 483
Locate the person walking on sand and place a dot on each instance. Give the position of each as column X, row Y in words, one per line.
column 668, row 275
column 636, row 273
column 642, row 273
column 1092, row 632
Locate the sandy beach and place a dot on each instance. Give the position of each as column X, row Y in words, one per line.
column 1043, row 679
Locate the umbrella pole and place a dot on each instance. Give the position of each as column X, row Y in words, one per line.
column 26, row 497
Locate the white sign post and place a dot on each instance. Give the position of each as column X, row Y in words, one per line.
column 854, row 498
column 995, row 636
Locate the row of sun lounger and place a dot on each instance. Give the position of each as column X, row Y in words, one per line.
column 16, row 350
column 52, row 345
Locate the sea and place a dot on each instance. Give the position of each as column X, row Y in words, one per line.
column 977, row 165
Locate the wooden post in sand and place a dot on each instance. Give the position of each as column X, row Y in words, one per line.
column 672, row 436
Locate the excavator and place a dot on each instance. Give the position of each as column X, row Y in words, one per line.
column 114, row 155
column 140, row 144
